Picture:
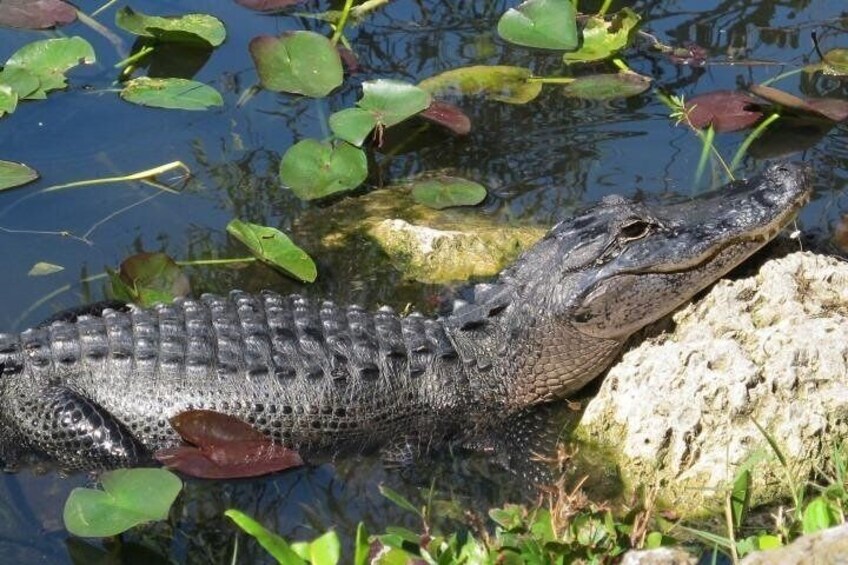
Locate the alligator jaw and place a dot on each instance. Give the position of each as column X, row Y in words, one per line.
column 693, row 245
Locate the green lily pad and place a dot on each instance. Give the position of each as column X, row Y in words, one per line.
column 835, row 62
column 171, row 93
column 353, row 124
column 315, row 170
column 446, row 192
column 188, row 28
column 20, row 80
column 301, row 62
column 392, row 101
column 8, row 100
column 129, row 497
column 544, row 24
column 607, row 86
column 275, row 248
column 15, row 174
column 602, row 38
column 497, row 82
column 149, row 278
column 49, row 59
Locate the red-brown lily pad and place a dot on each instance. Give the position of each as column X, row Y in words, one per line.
column 832, row 109
column 36, row 14
column 447, row 115
column 267, row 5
column 725, row 110
column 220, row 446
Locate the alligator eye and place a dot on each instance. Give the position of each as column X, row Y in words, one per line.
column 634, row 229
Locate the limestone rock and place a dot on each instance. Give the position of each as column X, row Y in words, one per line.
column 829, row 547
column 679, row 411
column 659, row 556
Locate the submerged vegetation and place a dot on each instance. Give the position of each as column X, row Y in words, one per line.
column 565, row 525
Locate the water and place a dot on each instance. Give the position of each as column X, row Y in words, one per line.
column 540, row 161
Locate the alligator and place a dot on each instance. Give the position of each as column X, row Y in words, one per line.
column 97, row 391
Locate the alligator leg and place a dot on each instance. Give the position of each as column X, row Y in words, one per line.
column 72, row 429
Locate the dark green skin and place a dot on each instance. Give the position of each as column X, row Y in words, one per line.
column 99, row 391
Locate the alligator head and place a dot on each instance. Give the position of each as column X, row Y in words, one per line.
column 599, row 277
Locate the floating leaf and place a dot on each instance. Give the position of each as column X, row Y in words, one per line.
column 49, row 59
column 275, row 248
column 300, row 62
column 41, row 269
column 36, row 14
column 271, row 542
column 501, row 83
column 148, row 279
column 315, row 170
column 267, row 5
column 188, row 28
column 602, row 38
column 607, row 86
column 8, row 101
column 129, row 497
column 353, row 124
column 545, row 24
column 392, row 101
column 224, row 447
column 20, row 80
column 448, row 116
column 829, row 108
column 445, row 192
column 692, row 54
column 833, row 63
column 725, row 110
column 171, row 93
column 15, row 174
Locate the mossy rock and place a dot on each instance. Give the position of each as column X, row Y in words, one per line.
column 425, row 245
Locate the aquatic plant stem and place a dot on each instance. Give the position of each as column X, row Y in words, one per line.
column 368, row 6
column 782, row 76
column 141, row 175
column 142, row 53
column 337, row 34
column 750, row 138
column 215, row 262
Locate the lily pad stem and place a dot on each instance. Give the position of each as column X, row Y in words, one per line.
column 142, row 53
column 342, row 21
column 214, row 262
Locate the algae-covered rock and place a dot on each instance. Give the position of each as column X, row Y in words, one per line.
column 681, row 410
column 427, row 245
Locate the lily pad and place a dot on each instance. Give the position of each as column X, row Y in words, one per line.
column 50, row 59
column 392, row 101
column 8, row 100
column 544, row 24
column 449, row 116
column 607, row 86
column 353, row 124
column 224, row 447
column 149, row 278
column 20, row 80
column 171, row 93
column 188, row 28
column 315, row 170
column 497, row 82
column 833, row 63
column 129, row 497
column 36, row 14
column 446, row 192
column 274, row 248
column 603, row 38
column 725, row 110
column 832, row 109
column 15, row 174
column 384, row 103
column 300, row 62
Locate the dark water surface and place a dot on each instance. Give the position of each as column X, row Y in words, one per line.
column 540, row 161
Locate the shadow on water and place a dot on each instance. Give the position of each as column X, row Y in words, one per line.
column 540, row 161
